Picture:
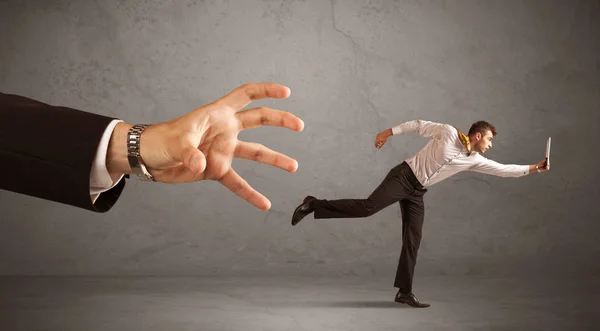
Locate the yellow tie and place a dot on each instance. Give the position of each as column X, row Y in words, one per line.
column 464, row 139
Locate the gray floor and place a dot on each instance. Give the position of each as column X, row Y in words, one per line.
column 133, row 303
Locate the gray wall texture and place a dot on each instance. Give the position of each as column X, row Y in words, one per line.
column 355, row 68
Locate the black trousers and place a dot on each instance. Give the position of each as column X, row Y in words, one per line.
column 400, row 185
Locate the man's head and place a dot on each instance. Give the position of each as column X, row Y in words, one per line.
column 481, row 135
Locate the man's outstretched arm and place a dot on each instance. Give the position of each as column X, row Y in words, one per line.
column 491, row 167
column 422, row 127
column 71, row 156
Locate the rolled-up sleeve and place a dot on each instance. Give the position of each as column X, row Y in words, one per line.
column 423, row 128
column 491, row 167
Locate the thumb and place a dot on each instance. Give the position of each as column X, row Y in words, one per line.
column 193, row 159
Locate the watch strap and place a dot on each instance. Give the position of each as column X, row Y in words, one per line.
column 133, row 152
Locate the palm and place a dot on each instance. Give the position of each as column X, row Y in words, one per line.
column 218, row 154
column 218, row 146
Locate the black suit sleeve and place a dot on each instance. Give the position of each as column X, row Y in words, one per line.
column 48, row 151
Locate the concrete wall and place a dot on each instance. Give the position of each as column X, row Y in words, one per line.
column 355, row 68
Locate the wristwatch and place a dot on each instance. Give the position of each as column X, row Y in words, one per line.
column 133, row 152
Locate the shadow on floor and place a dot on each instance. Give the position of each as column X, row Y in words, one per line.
column 339, row 304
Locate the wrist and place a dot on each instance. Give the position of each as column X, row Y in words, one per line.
column 116, row 156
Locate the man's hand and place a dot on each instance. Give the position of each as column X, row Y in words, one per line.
column 202, row 144
column 382, row 137
column 543, row 166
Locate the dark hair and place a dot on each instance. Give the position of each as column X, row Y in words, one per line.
column 482, row 127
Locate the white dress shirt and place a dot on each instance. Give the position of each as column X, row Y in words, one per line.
column 445, row 155
column 100, row 179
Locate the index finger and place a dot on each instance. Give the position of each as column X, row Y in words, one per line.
column 243, row 95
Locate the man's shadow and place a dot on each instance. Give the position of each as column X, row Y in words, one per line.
column 343, row 304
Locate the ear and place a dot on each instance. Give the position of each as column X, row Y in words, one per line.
column 478, row 136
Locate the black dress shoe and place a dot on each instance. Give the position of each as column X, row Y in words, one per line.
column 304, row 209
column 410, row 299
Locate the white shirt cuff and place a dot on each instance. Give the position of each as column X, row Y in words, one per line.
column 100, row 179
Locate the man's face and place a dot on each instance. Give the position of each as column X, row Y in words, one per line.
column 483, row 142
